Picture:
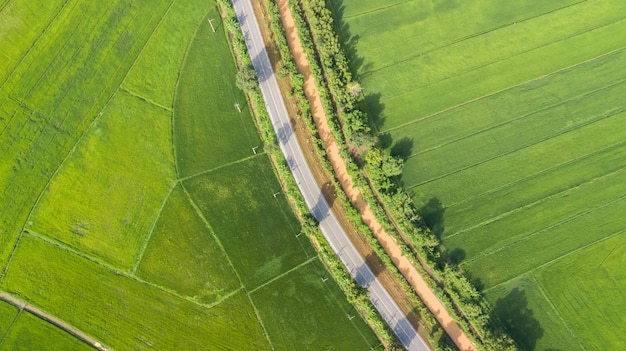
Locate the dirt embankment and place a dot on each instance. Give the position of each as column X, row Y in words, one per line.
column 340, row 169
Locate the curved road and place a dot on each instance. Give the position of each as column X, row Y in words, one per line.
column 312, row 194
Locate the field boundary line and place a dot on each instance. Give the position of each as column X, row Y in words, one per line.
column 616, row 233
column 17, row 315
column 541, row 200
column 472, row 36
column 148, row 236
column 35, row 42
column 521, row 148
column 511, row 87
column 50, row 319
column 277, row 277
column 143, row 47
column 522, row 238
column 540, row 173
column 215, row 237
column 519, row 117
column 366, row 12
column 63, row 246
column 266, row 334
column 232, row 163
column 1, row 10
column 183, row 63
column 45, row 187
column 556, row 311
column 145, row 99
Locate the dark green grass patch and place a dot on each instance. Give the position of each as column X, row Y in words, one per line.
column 156, row 71
column 32, row 333
column 257, row 229
column 587, row 288
column 302, row 312
column 122, row 312
column 184, row 256
column 208, row 130
column 108, row 193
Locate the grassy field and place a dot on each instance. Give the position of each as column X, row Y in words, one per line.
column 32, row 333
column 511, row 119
column 133, row 206
column 291, row 309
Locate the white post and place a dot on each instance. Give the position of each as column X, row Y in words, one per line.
column 254, row 149
column 276, row 194
column 211, row 23
column 237, row 107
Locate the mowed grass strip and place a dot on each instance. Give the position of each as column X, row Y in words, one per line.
column 431, row 67
column 560, row 180
column 302, row 312
column 106, row 197
column 58, row 89
column 530, row 130
column 209, row 131
column 537, row 216
column 258, row 231
column 32, row 333
column 401, row 32
column 587, row 288
column 537, row 249
column 502, row 171
column 21, row 23
column 501, row 75
column 183, row 254
column 122, row 312
column 156, row 71
column 515, row 105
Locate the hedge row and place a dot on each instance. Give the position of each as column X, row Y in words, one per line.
column 386, row 197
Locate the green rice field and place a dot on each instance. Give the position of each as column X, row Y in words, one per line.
column 133, row 207
column 512, row 121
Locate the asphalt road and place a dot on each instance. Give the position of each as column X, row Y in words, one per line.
column 312, row 194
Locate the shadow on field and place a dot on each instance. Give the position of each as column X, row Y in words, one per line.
column 402, row 148
column 374, row 108
column 347, row 39
column 517, row 319
column 432, row 213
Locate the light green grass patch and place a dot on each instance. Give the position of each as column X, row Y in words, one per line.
column 209, row 131
column 587, row 288
column 122, row 312
column 155, row 73
column 109, row 192
column 32, row 333
column 184, row 256
column 301, row 312
column 21, row 23
column 258, row 231
column 8, row 313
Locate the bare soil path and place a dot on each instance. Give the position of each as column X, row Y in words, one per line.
column 22, row 305
column 393, row 250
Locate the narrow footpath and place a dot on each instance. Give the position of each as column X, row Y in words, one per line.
column 393, row 250
column 52, row 320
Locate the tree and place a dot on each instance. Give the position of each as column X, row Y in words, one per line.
column 246, row 78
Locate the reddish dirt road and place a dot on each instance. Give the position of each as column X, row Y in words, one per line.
column 340, row 169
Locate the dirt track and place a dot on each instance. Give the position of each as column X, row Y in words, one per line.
column 51, row 319
column 339, row 166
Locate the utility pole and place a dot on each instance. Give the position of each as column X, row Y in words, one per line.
column 254, row 149
column 276, row 194
column 211, row 23
column 237, row 107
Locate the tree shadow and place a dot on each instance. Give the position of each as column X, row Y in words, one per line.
column 517, row 319
column 432, row 213
column 329, row 193
column 348, row 40
column 456, row 256
column 372, row 105
column 402, row 148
